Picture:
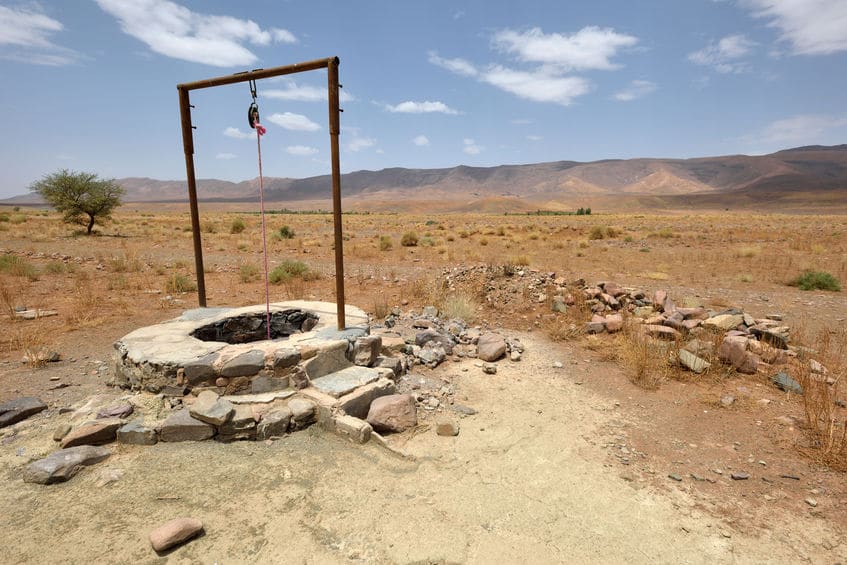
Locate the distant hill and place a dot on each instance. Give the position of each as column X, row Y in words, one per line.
column 799, row 176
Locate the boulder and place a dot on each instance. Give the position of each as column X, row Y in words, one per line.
column 175, row 532
column 614, row 323
column 393, row 413
column 432, row 354
column 490, row 347
column 62, row 465
column 659, row 298
column 446, row 341
column 19, row 409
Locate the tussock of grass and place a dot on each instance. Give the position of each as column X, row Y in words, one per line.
column 291, row 269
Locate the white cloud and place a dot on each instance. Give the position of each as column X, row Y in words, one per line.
column 534, row 137
column 294, row 122
column 303, row 150
column 359, row 143
column 29, row 31
column 635, row 89
column 522, row 121
column 803, row 129
column 538, row 85
column 226, row 156
column 724, row 56
column 812, row 27
column 302, row 93
column 175, row 31
column 458, row 66
column 426, row 107
column 590, row 48
column 470, row 147
column 421, row 141
column 236, row 133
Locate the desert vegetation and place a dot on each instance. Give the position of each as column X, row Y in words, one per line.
column 141, row 266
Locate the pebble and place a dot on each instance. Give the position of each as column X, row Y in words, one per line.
column 557, row 365
column 811, row 502
column 740, row 476
column 489, row 368
column 675, row 477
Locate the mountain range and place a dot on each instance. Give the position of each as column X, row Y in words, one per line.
column 802, row 178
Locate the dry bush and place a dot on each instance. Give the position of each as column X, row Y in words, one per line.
column 645, row 359
column 568, row 325
column 826, row 422
column 460, row 306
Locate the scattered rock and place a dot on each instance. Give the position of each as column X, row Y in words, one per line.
column 62, row 465
column 135, row 433
column 786, row 383
column 18, row 409
column 740, row 476
column 175, row 532
column 462, row 409
column 354, row 428
column 490, row 347
column 121, row 410
column 366, row 350
column 692, row 362
column 393, row 413
column 733, row 350
column 303, row 412
column 446, row 427
column 675, row 477
column 811, row 502
column 727, row 400
column 489, row 368
column 93, row 433
column 61, row 431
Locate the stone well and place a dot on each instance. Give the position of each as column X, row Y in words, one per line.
column 226, row 351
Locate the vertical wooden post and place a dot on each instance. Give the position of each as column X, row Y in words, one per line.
column 334, row 130
column 188, row 148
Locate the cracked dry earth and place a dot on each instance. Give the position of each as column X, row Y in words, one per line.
column 559, row 465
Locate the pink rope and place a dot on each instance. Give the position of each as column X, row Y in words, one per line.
column 260, row 131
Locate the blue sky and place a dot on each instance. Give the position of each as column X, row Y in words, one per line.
column 91, row 84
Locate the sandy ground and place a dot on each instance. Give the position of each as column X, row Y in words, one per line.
column 529, row 479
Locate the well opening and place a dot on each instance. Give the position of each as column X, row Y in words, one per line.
column 247, row 328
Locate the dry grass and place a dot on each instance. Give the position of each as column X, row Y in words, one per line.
column 826, row 422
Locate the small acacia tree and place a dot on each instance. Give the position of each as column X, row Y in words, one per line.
column 83, row 198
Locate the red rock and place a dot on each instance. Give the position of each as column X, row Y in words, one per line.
column 733, row 350
column 93, row 433
column 663, row 332
column 175, row 532
column 490, row 347
column 393, row 413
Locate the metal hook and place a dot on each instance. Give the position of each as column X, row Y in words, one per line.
column 252, row 84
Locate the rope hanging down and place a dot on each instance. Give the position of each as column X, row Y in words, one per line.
column 253, row 120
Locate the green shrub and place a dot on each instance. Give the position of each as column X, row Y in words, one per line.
column 409, row 239
column 237, row 226
column 4, row 217
column 385, row 243
column 177, row 284
column 284, row 233
column 816, row 280
column 290, row 269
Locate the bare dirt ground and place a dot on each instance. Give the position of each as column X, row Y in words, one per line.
column 559, row 465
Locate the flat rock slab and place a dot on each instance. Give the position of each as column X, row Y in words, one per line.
column 244, row 365
column 62, row 465
column 261, row 398
column 135, row 433
column 19, row 409
column 347, row 380
column 692, row 362
column 175, row 532
column 93, row 433
column 180, row 426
